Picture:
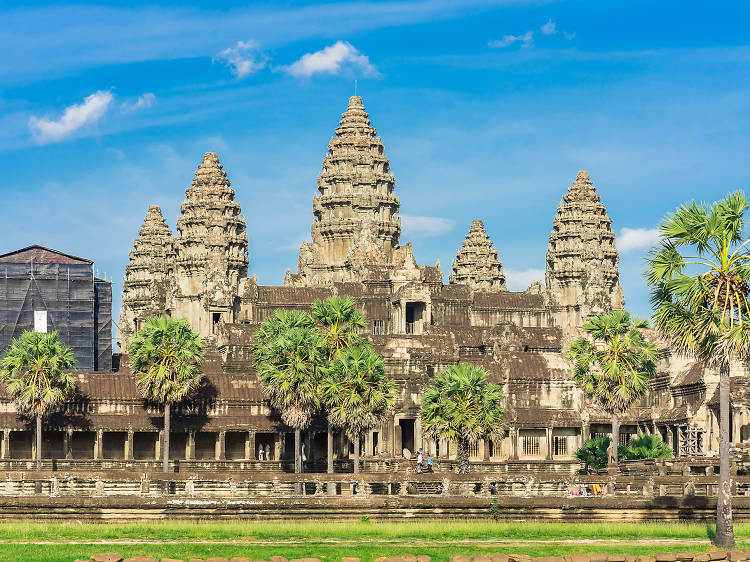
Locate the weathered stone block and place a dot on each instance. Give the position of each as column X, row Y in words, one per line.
column 237, row 559
column 684, row 556
column 141, row 559
column 717, row 555
column 408, row 558
column 736, row 555
column 702, row 557
column 646, row 559
column 217, row 559
column 499, row 558
column 423, row 558
column 460, row 558
column 616, row 558
column 665, row 557
column 171, row 560
column 106, row 557
column 598, row 558
column 304, row 560
column 481, row 559
column 551, row 559
column 578, row 558
column 278, row 559
column 349, row 559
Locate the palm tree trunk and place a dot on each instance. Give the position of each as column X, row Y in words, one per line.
column 39, row 441
column 724, row 525
column 357, row 445
column 615, row 435
column 463, row 456
column 329, row 468
column 166, row 438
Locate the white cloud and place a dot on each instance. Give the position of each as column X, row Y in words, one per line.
column 331, row 60
column 243, row 59
column 143, row 102
column 74, row 118
column 520, row 280
column 526, row 39
column 633, row 239
column 420, row 227
column 569, row 36
column 549, row 28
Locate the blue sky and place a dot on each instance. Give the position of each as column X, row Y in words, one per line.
column 487, row 110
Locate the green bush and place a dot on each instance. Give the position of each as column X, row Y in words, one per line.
column 593, row 454
column 645, row 446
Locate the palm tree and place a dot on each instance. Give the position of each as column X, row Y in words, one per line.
column 289, row 356
column 699, row 276
column 340, row 323
column 165, row 357
column 615, row 368
column 358, row 393
column 33, row 369
column 646, row 446
column 462, row 405
column 593, row 453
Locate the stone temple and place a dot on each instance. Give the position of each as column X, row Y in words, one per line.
column 416, row 321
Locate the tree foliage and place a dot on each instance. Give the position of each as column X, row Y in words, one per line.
column 593, row 453
column 34, row 371
column 165, row 357
column 645, row 446
column 340, row 322
column 614, row 368
column 462, row 405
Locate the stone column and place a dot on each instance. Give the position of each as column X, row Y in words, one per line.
column 397, row 442
column 129, row 453
column 159, row 444
column 549, row 442
column 279, row 446
column 98, row 443
column 250, row 450
column 514, row 443
column 68, row 443
column 221, row 446
column 190, row 445
column 5, row 445
column 585, row 432
column 678, row 440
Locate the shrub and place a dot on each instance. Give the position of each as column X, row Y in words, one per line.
column 593, row 454
column 645, row 446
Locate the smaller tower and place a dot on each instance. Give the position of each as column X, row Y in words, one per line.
column 210, row 250
column 145, row 287
column 582, row 261
column 477, row 264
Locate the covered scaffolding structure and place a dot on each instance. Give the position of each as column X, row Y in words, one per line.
column 43, row 289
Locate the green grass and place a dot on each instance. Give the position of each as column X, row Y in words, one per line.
column 366, row 540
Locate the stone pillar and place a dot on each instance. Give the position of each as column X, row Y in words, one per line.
column 190, row 445
column 98, row 443
column 5, row 445
column 129, row 453
column 678, row 440
column 514, row 443
column 279, row 446
column 397, row 442
column 221, row 446
column 549, row 442
column 368, row 443
column 250, row 451
column 585, row 432
column 159, row 444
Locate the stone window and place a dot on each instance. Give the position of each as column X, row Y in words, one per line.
column 205, row 445
column 113, row 444
column 234, row 445
column 560, row 445
column 473, row 449
column 378, row 327
column 531, row 446
column 144, row 445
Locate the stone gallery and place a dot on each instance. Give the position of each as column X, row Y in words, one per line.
column 417, row 323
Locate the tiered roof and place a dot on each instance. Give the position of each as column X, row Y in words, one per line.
column 150, row 262
column 477, row 264
column 582, row 260
column 356, row 212
column 211, row 234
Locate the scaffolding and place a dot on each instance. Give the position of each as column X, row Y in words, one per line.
column 69, row 294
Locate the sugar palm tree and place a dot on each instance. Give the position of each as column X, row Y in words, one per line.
column 165, row 357
column 33, row 369
column 614, row 368
column 289, row 356
column 462, row 405
column 699, row 276
column 358, row 393
column 340, row 322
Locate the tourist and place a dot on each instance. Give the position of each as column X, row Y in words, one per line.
column 493, row 488
column 439, row 489
column 260, row 452
column 268, row 452
column 420, row 460
column 430, row 464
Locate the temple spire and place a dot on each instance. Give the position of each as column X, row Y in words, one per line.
column 477, row 264
column 356, row 211
column 582, row 261
column 144, row 287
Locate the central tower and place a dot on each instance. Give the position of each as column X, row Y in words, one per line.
column 356, row 220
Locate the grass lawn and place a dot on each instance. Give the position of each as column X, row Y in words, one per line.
column 366, row 540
